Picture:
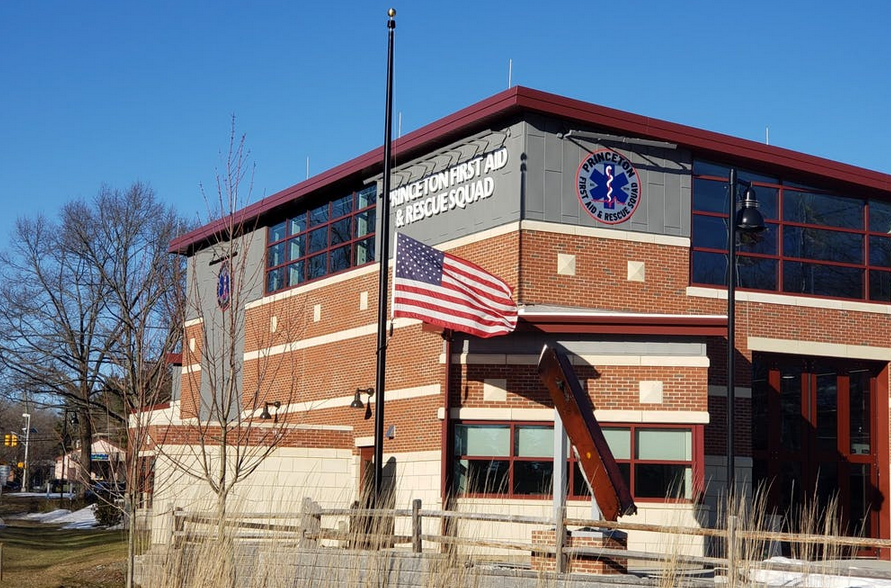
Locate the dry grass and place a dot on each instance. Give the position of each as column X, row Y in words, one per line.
column 44, row 556
column 753, row 524
column 363, row 553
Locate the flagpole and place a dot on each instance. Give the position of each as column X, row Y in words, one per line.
column 384, row 253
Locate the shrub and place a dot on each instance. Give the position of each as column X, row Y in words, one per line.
column 107, row 514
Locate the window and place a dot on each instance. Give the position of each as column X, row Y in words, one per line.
column 516, row 460
column 816, row 243
column 326, row 239
column 503, row 459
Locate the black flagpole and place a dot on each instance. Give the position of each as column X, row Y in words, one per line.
column 384, row 254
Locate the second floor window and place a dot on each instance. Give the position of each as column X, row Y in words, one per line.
column 816, row 243
column 323, row 240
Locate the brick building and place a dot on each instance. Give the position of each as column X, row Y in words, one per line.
column 611, row 229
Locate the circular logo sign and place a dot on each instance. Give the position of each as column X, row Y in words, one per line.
column 224, row 286
column 608, row 186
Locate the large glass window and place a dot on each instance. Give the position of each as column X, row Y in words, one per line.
column 322, row 240
column 816, row 243
column 516, row 460
column 484, row 463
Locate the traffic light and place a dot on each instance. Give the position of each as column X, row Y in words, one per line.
column 14, row 441
column 7, row 440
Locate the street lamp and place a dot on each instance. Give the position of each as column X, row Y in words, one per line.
column 27, row 418
column 65, row 474
column 747, row 219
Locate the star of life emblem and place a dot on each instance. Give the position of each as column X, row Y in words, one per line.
column 608, row 186
column 224, row 286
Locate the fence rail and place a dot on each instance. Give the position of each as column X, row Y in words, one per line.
column 308, row 532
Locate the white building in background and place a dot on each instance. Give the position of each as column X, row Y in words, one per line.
column 108, row 462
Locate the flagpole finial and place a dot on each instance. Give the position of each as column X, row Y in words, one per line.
column 391, row 13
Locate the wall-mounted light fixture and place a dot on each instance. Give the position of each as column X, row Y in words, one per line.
column 265, row 414
column 357, row 400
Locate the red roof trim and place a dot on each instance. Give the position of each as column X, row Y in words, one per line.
column 518, row 99
column 159, row 406
column 372, row 162
column 724, row 145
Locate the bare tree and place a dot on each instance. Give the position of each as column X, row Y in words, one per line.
column 43, row 440
column 89, row 310
column 55, row 338
column 124, row 235
column 224, row 395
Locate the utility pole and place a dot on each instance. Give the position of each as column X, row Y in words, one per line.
column 27, row 431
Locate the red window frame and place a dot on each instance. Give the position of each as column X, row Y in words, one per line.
column 334, row 241
column 778, row 225
column 696, row 463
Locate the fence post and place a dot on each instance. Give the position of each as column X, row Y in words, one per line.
column 560, row 540
column 177, row 526
column 448, row 527
column 310, row 523
column 416, row 525
column 731, row 551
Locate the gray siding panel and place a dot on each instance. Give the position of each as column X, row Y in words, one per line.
column 553, row 153
column 535, row 185
column 503, row 206
column 552, row 165
column 221, row 336
column 539, row 182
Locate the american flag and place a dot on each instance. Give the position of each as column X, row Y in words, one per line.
column 447, row 291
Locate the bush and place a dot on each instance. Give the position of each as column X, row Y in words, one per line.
column 107, row 514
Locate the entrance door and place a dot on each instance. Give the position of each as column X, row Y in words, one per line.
column 813, row 424
column 366, row 477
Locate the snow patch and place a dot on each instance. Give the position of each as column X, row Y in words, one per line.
column 84, row 518
column 804, row 579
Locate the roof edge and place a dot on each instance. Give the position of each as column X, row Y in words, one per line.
column 499, row 104
column 519, row 98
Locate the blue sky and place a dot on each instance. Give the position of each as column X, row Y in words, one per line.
column 113, row 92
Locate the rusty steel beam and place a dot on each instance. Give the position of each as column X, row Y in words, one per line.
column 594, row 456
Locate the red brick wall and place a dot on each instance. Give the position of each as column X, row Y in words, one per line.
column 601, row 274
column 190, row 383
column 580, row 564
column 610, row 387
column 250, row 435
column 527, row 261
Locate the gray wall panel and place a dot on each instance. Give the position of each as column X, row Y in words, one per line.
column 554, row 204
column 224, row 330
column 553, row 153
column 500, row 208
column 664, row 175
column 535, row 186
column 539, row 182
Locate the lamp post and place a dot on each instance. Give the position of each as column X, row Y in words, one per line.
column 745, row 219
column 27, row 418
column 63, row 472
column 66, row 457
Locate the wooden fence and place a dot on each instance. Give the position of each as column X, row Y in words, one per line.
column 305, row 530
